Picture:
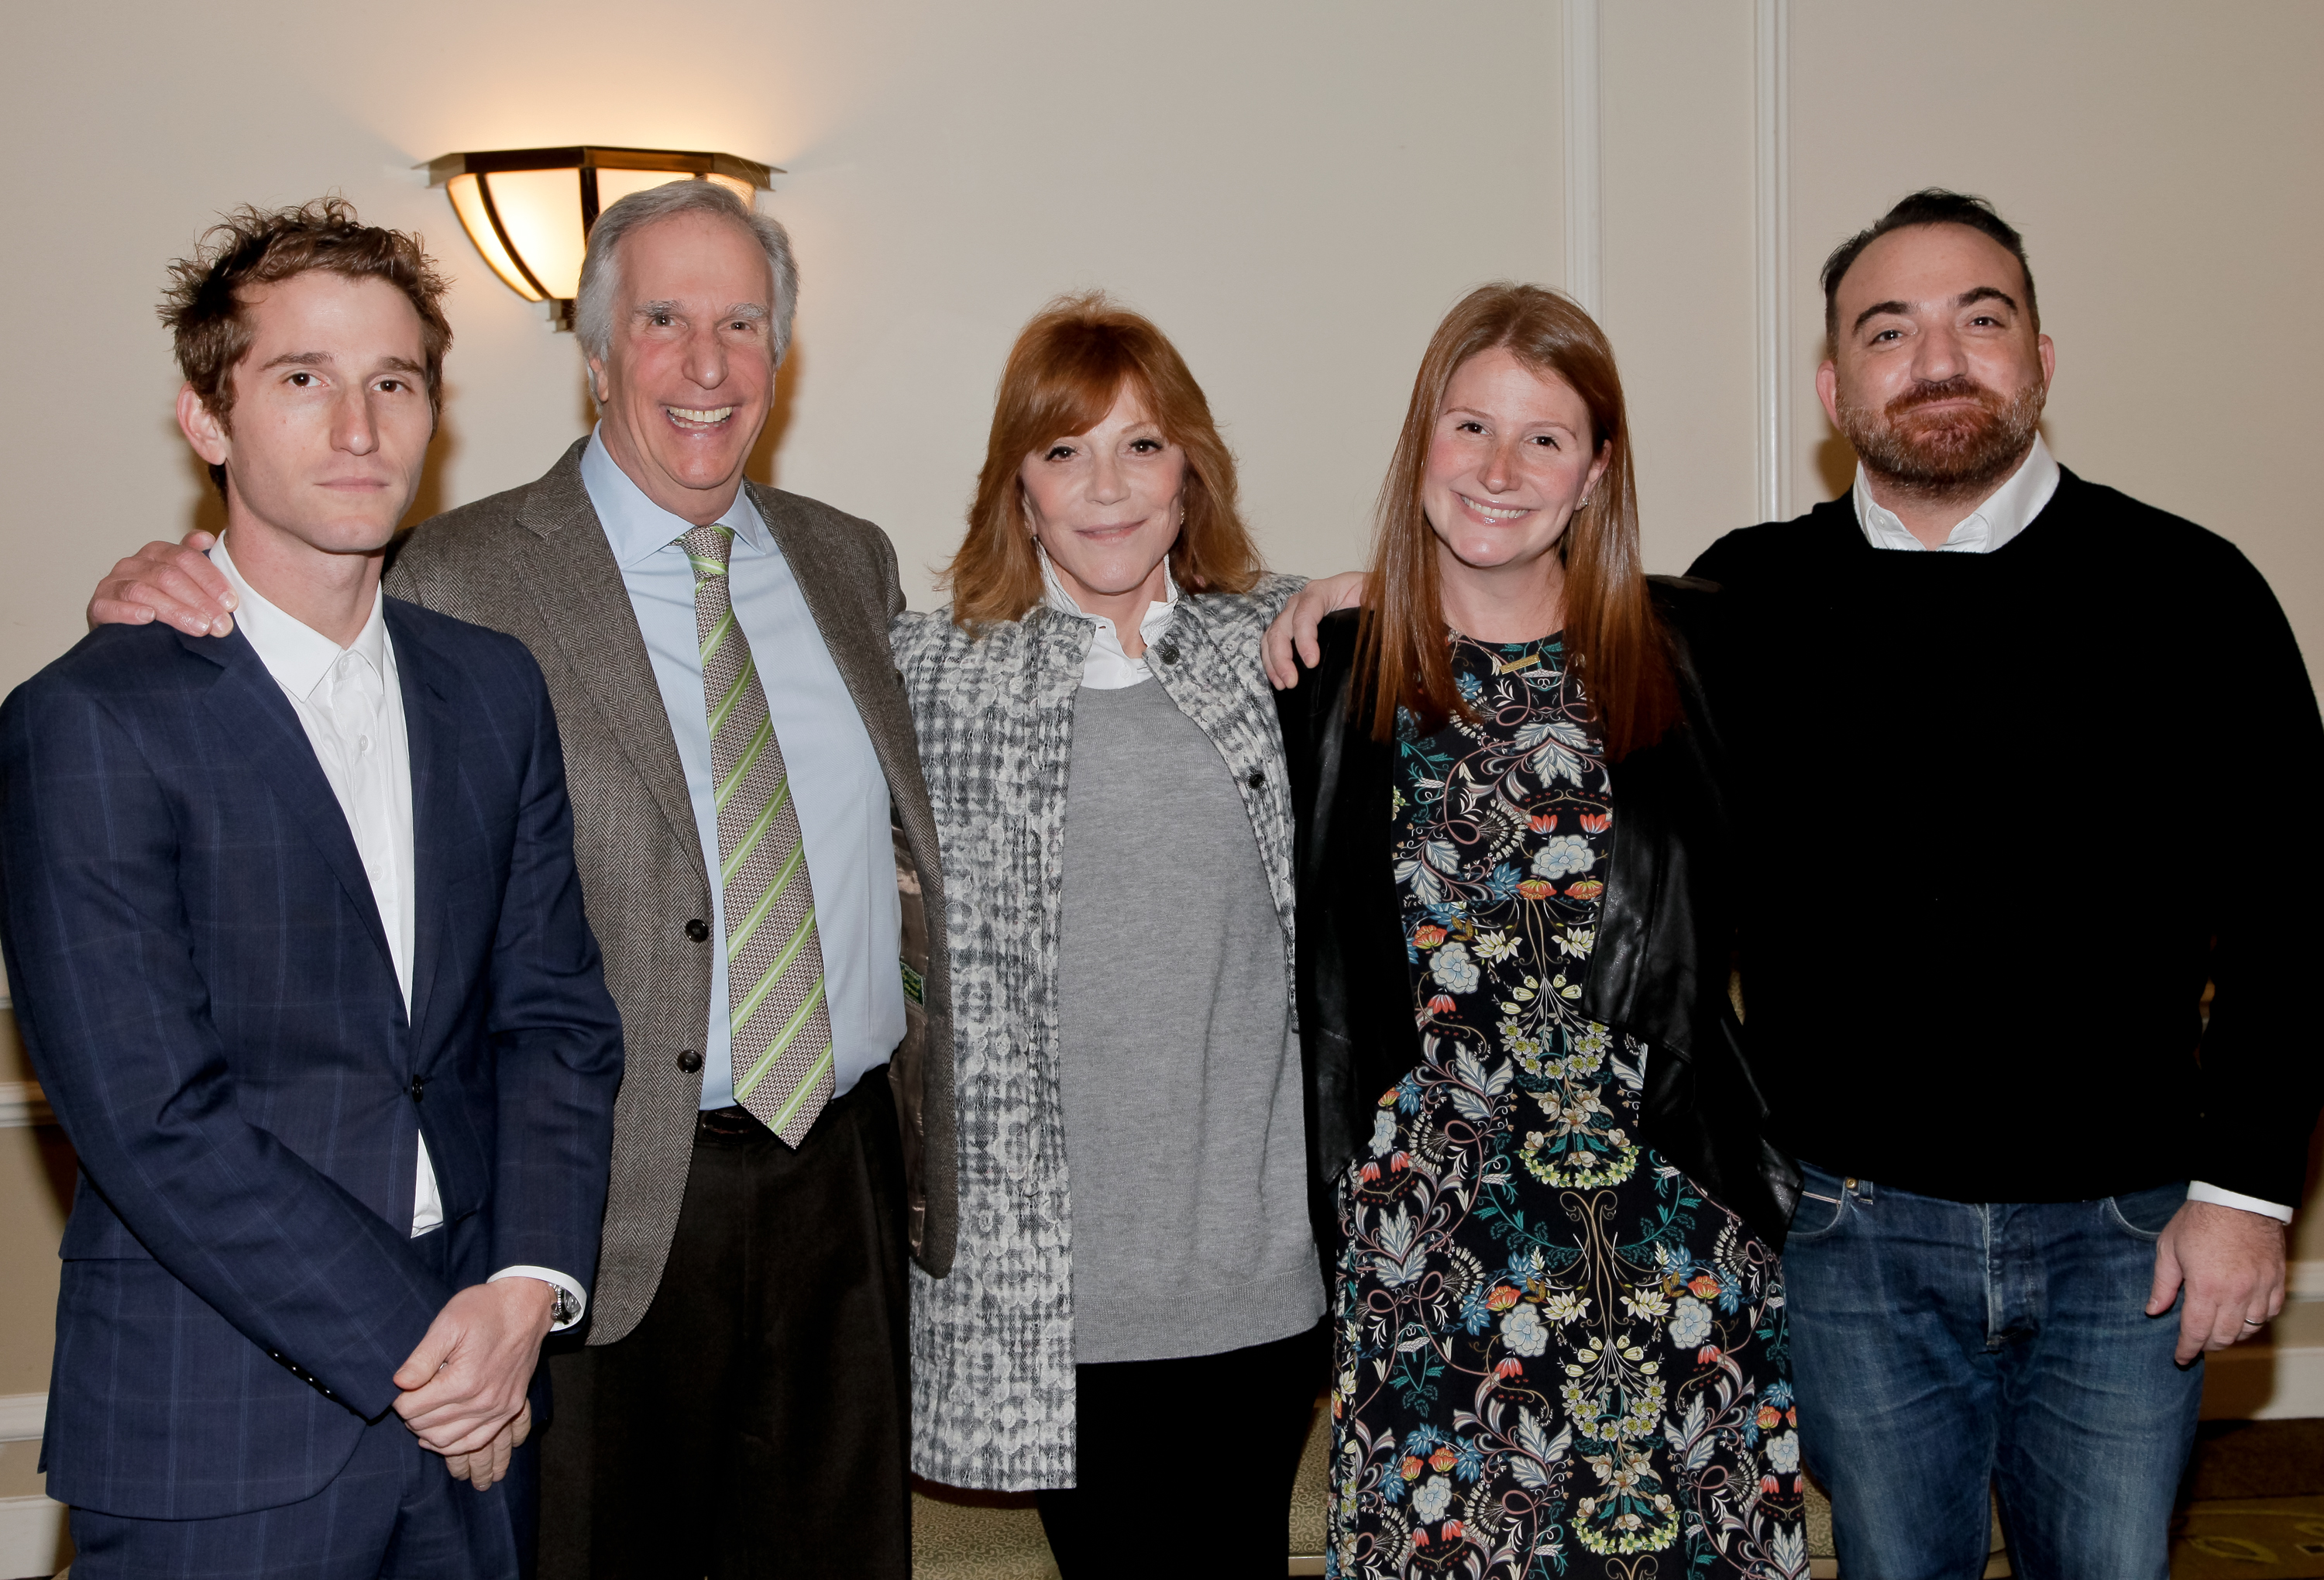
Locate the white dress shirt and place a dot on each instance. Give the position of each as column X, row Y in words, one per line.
column 350, row 702
column 837, row 785
column 1109, row 667
column 2008, row 510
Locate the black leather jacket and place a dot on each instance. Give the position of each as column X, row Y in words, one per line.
column 1659, row 970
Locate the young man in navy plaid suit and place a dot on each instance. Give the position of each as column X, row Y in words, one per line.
column 297, row 949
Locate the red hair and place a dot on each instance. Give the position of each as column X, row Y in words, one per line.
column 1064, row 374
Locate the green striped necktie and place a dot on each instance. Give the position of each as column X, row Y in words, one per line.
column 774, row 960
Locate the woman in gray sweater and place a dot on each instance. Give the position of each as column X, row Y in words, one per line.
column 1130, row 1326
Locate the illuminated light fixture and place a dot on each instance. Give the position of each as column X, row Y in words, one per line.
column 529, row 210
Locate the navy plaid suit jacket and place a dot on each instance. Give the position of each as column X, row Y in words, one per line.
column 204, row 985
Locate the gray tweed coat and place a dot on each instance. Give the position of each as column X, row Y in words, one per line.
column 993, row 1344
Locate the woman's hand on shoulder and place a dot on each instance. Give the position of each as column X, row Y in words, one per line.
column 1291, row 639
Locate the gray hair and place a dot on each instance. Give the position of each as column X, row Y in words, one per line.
column 601, row 274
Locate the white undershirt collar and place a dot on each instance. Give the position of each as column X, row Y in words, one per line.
column 1109, row 667
column 2008, row 510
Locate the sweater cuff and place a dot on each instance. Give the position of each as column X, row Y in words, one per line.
column 2199, row 1191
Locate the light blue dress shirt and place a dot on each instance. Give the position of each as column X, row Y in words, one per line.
column 836, row 784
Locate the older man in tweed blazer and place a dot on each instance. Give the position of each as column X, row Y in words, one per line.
column 742, row 1406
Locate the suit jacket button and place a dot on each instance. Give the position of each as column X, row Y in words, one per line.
column 1167, row 652
column 689, row 1061
column 697, row 929
column 1257, row 780
column 419, row 1087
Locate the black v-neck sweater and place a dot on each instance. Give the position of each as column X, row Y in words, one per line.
column 2002, row 815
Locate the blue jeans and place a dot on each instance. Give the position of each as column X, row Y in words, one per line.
column 1938, row 1345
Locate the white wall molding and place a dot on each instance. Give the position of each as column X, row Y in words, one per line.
column 21, row 1417
column 32, row 1535
column 22, row 1103
column 1585, row 245
column 1771, row 101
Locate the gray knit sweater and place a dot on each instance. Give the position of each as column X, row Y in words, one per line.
column 993, row 1344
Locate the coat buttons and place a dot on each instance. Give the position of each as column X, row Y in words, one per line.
column 688, row 1060
column 419, row 1087
column 697, row 929
column 1257, row 780
column 1167, row 652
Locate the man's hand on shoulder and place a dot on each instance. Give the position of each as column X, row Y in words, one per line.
column 175, row 582
column 2231, row 1262
column 1295, row 628
column 465, row 1383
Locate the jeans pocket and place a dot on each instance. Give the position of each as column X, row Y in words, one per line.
column 2145, row 1214
column 1823, row 1207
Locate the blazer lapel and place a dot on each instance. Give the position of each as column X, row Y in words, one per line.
column 254, row 712
column 578, row 586
column 431, row 725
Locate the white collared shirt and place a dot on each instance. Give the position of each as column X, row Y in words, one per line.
column 2008, row 510
column 350, row 702
column 1109, row 667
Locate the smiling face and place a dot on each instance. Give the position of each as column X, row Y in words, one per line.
column 1107, row 506
column 1937, row 374
column 690, row 374
column 330, row 420
column 1509, row 462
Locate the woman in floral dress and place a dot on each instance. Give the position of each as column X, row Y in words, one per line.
column 1559, row 1320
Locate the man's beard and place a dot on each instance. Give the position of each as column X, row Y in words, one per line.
column 1939, row 455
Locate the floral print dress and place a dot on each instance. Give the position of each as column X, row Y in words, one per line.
column 1554, row 1356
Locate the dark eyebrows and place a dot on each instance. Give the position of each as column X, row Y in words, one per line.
column 1966, row 299
column 1875, row 311
column 325, row 359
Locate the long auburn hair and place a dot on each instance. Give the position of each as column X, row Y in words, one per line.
column 1076, row 357
column 1612, row 634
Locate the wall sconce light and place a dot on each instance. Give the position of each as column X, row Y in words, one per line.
column 529, row 210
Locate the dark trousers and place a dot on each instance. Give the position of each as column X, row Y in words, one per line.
column 393, row 1511
column 754, row 1423
column 1940, row 1348
column 1141, row 1428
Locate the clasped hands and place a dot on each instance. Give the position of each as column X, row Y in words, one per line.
column 464, row 1387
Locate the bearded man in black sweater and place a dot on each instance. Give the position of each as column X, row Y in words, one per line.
column 2023, row 764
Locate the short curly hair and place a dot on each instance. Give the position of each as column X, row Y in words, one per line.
column 203, row 307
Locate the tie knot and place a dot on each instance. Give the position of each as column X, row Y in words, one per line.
column 707, row 550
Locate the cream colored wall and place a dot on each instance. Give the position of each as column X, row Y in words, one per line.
column 2163, row 163
column 1295, row 190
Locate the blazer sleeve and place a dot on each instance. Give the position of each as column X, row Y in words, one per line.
column 101, row 953
column 556, row 1035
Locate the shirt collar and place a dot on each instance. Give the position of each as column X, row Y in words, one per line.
column 636, row 528
column 294, row 652
column 1109, row 664
column 2007, row 512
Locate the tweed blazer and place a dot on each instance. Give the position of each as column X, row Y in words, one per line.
column 992, row 1344
column 534, row 562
